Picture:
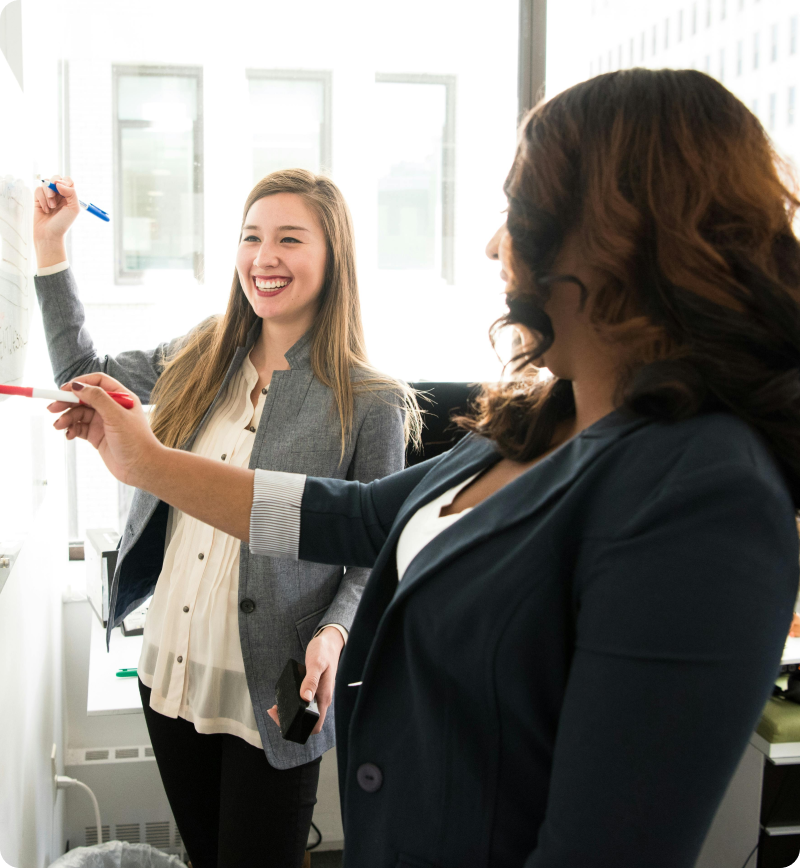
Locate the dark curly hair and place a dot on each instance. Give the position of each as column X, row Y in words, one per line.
column 676, row 195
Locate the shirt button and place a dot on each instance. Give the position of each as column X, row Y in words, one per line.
column 247, row 606
column 185, row 608
column 224, row 455
column 252, row 428
column 200, row 556
column 263, row 391
column 369, row 777
column 180, row 660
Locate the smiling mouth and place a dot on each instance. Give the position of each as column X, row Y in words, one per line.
column 269, row 286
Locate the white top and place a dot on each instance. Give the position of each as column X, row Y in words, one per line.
column 425, row 525
column 191, row 652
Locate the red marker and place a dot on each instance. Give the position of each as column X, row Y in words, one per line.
column 122, row 398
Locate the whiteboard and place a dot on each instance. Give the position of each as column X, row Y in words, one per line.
column 15, row 279
column 16, row 215
column 23, row 475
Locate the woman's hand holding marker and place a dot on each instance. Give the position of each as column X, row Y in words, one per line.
column 122, row 437
column 53, row 214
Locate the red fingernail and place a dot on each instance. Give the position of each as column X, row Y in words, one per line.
column 76, row 386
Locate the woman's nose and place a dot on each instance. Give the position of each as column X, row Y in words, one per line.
column 266, row 257
column 493, row 247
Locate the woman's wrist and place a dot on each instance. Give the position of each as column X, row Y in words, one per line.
column 152, row 470
column 333, row 635
column 50, row 252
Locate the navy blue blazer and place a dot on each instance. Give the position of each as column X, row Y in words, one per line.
column 568, row 675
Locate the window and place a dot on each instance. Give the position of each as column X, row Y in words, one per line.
column 708, row 13
column 754, row 106
column 666, row 33
column 655, row 39
column 739, row 56
column 790, row 106
column 193, row 134
column 158, row 171
column 290, row 121
column 773, row 54
column 415, row 123
column 723, row 10
column 755, row 50
column 644, row 39
column 619, row 56
column 707, row 66
column 722, row 64
column 680, row 25
column 630, row 53
column 772, row 107
column 694, row 18
column 793, row 35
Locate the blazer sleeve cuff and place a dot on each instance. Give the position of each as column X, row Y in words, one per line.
column 275, row 515
column 52, row 269
column 339, row 627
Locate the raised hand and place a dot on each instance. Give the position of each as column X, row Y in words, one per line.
column 53, row 214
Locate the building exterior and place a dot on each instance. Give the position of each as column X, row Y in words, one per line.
column 751, row 46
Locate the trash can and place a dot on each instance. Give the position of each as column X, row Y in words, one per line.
column 117, row 854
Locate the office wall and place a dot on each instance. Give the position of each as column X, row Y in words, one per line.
column 31, row 677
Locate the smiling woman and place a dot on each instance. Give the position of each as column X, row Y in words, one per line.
column 280, row 381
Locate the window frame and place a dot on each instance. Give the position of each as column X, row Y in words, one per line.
column 136, row 278
column 325, row 77
column 448, row 158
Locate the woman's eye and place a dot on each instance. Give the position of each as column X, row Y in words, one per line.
column 250, row 238
column 292, row 240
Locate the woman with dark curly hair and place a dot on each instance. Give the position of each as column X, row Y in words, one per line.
column 575, row 616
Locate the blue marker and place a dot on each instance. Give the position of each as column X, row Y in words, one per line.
column 92, row 209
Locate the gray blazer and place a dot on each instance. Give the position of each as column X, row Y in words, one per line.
column 282, row 603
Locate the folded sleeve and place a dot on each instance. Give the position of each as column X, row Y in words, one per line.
column 275, row 515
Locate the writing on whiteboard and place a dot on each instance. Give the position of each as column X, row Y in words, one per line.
column 15, row 225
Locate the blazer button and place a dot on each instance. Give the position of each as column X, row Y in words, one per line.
column 247, row 606
column 369, row 777
column 200, row 556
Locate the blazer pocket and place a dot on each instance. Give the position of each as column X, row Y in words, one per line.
column 306, row 626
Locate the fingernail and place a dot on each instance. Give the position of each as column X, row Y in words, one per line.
column 76, row 386
column 308, row 695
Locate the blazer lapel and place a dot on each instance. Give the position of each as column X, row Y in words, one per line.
column 466, row 459
column 517, row 501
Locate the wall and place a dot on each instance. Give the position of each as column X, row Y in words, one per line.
column 31, row 677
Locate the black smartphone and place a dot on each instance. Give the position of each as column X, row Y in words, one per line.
column 297, row 716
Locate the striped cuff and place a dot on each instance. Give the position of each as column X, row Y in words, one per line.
column 52, row 269
column 275, row 516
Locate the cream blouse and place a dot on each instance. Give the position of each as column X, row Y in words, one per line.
column 191, row 653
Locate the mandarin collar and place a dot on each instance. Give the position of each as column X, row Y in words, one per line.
column 298, row 356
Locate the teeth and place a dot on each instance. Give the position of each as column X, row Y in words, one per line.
column 270, row 284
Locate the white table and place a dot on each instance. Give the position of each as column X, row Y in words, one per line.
column 107, row 693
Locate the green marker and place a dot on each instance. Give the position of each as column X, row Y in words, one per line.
column 126, row 673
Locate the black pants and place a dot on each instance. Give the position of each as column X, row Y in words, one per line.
column 232, row 808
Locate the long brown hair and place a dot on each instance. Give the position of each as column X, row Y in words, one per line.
column 196, row 370
column 676, row 197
